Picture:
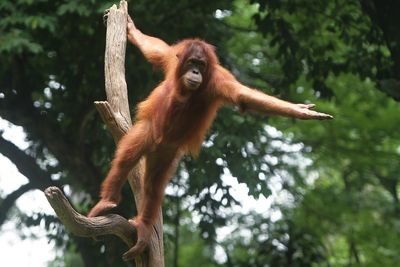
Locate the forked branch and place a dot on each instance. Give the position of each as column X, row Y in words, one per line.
column 115, row 114
column 83, row 226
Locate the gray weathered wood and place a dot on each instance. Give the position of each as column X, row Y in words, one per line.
column 116, row 115
column 89, row 227
column 114, row 63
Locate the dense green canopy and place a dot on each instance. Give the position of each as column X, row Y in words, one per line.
column 333, row 185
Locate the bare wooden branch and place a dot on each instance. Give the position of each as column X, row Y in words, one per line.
column 80, row 225
column 115, row 114
column 116, row 127
column 114, row 63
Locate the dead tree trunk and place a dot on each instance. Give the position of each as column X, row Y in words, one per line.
column 115, row 114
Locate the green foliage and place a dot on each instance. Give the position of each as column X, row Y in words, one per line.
column 318, row 38
column 347, row 199
column 337, row 196
column 193, row 251
column 70, row 258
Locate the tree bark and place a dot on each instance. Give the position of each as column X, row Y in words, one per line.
column 115, row 114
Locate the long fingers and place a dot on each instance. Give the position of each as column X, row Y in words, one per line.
column 309, row 114
column 134, row 251
column 101, row 208
column 130, row 19
column 307, row 106
column 318, row 115
column 105, row 16
column 130, row 24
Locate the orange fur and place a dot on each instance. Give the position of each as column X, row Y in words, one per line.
column 174, row 120
column 169, row 124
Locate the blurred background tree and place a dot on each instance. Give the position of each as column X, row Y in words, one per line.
column 333, row 185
